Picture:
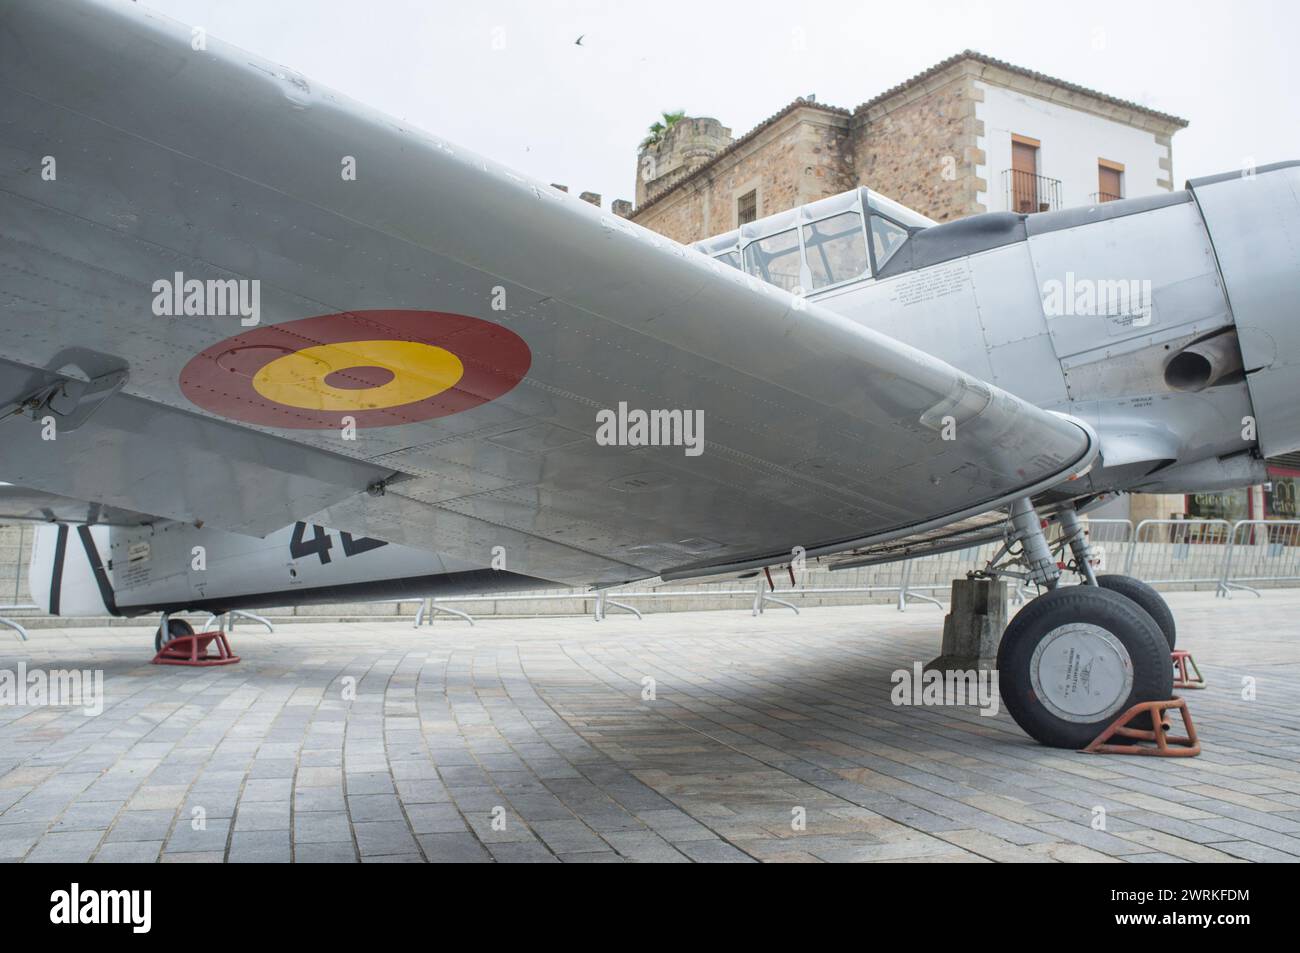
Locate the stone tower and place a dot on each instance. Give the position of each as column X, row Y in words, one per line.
column 689, row 144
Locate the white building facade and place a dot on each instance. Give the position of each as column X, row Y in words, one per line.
column 1042, row 153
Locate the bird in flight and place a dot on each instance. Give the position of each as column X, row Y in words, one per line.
column 578, row 41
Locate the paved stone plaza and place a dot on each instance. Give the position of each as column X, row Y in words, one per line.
column 529, row 740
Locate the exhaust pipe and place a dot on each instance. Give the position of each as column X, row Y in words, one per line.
column 1205, row 363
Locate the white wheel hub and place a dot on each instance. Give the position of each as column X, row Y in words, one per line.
column 1081, row 672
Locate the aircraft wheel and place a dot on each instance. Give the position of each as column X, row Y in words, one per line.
column 175, row 628
column 1147, row 598
column 1075, row 658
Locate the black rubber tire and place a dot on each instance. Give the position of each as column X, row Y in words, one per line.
column 1147, row 598
column 175, row 627
column 1126, row 620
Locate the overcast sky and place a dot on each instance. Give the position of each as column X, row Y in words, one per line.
column 575, row 114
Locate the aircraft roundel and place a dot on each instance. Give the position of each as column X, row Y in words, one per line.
column 383, row 368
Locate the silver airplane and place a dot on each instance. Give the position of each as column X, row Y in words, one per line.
column 263, row 346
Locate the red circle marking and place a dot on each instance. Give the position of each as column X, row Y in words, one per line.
column 220, row 378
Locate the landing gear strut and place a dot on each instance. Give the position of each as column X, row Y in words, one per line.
column 1075, row 657
column 1073, row 533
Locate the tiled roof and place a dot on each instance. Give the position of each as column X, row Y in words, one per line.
column 1020, row 71
column 901, row 87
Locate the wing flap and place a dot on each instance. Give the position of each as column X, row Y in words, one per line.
column 20, row 505
column 139, row 456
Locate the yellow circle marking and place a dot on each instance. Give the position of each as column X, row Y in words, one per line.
column 419, row 372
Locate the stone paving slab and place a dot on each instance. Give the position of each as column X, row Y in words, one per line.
column 686, row 737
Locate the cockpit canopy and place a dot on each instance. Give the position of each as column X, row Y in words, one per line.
column 821, row 245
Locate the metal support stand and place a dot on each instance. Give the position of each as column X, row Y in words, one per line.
column 432, row 607
column 1167, row 745
column 192, row 650
column 1224, row 588
column 598, row 611
column 251, row 616
column 226, row 621
column 904, row 593
column 22, row 633
column 1182, row 677
column 762, row 598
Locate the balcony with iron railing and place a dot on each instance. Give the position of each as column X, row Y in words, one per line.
column 1027, row 192
column 1098, row 197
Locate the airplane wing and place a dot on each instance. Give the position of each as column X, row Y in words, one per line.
column 478, row 330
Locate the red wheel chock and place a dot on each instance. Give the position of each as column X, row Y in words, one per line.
column 1183, row 658
column 1167, row 745
column 193, row 650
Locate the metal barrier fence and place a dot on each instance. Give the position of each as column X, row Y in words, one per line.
column 1244, row 556
column 1261, row 551
column 1167, row 552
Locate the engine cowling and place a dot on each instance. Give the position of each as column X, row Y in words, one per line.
column 1253, row 219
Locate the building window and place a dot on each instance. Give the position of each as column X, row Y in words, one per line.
column 747, row 208
column 1110, row 181
column 1024, row 174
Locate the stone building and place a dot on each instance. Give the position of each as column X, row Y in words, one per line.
column 690, row 144
column 971, row 134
